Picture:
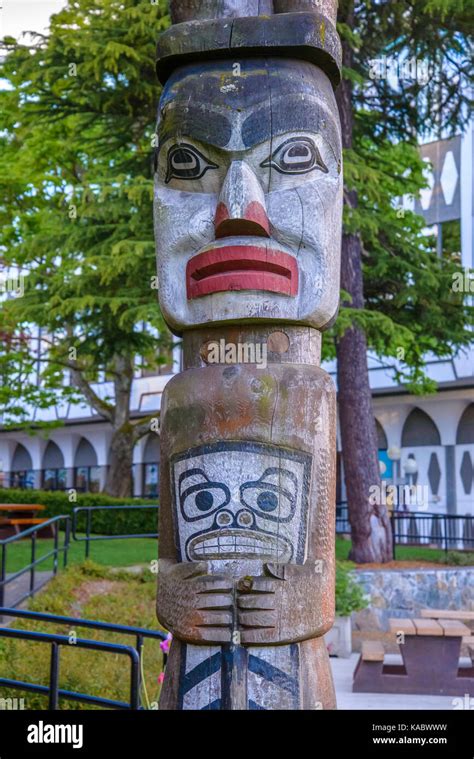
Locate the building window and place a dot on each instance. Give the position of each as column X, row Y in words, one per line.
column 87, row 479
column 54, row 479
column 22, row 473
column 86, row 471
column 151, row 481
column 24, row 479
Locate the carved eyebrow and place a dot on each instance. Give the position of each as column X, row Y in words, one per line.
column 198, row 123
column 293, row 115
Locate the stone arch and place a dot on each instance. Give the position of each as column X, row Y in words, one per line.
column 419, row 429
column 465, row 431
column 53, row 457
column 382, row 443
column 85, row 454
column 21, row 459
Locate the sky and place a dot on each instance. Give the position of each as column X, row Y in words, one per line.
column 17, row 16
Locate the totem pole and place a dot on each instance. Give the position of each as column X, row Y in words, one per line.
column 248, row 205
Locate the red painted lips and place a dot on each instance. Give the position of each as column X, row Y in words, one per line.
column 241, row 267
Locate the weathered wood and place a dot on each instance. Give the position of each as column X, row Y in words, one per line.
column 461, row 614
column 248, row 202
column 302, row 36
column 191, row 10
column 372, row 650
column 404, row 626
column 428, row 627
column 453, row 628
column 326, row 7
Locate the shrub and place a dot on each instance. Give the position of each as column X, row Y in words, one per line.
column 112, row 523
column 459, row 558
column 349, row 594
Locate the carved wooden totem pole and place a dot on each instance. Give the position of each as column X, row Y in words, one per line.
column 248, row 203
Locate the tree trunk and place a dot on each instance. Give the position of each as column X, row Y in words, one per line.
column 370, row 524
column 119, row 475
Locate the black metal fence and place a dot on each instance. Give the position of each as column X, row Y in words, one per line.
column 89, row 512
column 65, row 530
column 55, row 641
column 31, row 534
column 447, row 531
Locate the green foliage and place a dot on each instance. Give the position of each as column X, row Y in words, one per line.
column 76, row 152
column 410, row 309
column 350, row 596
column 459, row 559
column 104, row 522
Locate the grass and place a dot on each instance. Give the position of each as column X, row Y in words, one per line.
column 414, row 553
column 114, row 553
column 89, row 591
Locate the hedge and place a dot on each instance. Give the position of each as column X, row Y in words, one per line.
column 113, row 523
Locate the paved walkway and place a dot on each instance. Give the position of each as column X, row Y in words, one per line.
column 343, row 670
column 17, row 588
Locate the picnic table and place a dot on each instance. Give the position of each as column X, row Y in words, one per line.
column 430, row 650
column 16, row 517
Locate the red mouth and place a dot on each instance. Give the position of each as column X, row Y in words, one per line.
column 241, row 267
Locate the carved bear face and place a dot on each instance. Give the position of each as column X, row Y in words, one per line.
column 238, row 500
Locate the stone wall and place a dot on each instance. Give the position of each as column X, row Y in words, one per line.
column 403, row 593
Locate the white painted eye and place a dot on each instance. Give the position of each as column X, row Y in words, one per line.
column 273, row 496
column 298, row 155
column 203, row 500
column 187, row 162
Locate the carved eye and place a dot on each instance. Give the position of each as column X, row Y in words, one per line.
column 273, row 496
column 298, row 155
column 199, row 497
column 187, row 162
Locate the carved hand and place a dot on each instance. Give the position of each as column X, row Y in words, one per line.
column 283, row 606
column 193, row 605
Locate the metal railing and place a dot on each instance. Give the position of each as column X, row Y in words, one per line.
column 89, row 511
column 32, row 532
column 52, row 690
column 446, row 531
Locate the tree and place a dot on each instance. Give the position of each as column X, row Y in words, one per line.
column 397, row 296
column 76, row 174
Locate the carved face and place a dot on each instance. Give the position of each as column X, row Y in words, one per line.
column 248, row 194
column 241, row 501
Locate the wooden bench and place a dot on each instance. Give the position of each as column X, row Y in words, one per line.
column 448, row 614
column 15, row 517
column 372, row 650
column 430, row 650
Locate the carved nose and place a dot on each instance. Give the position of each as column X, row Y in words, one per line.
column 241, row 207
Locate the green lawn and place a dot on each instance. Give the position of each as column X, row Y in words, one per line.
column 414, row 553
column 115, row 553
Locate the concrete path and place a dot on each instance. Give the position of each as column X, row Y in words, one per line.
column 17, row 588
column 343, row 670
